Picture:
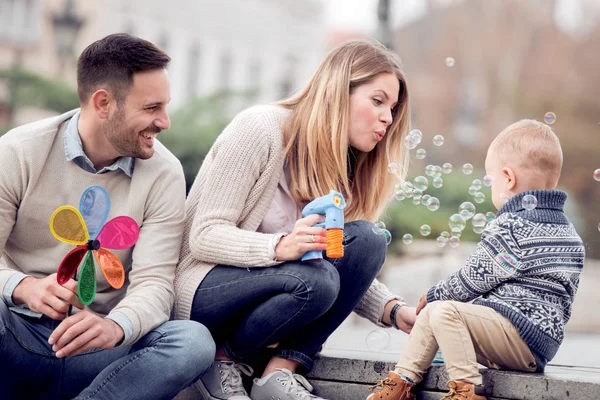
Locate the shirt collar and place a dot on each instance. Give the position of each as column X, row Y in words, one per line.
column 74, row 152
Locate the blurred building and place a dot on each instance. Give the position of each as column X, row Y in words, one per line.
column 266, row 47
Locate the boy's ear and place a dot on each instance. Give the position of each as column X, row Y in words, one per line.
column 510, row 178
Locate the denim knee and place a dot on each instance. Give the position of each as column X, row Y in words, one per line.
column 361, row 240
column 195, row 348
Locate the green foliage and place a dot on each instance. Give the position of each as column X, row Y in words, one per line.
column 33, row 90
column 195, row 127
column 403, row 217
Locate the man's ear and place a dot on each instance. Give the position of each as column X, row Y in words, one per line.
column 100, row 102
column 510, row 177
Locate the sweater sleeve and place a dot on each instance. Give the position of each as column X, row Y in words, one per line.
column 237, row 161
column 11, row 187
column 495, row 260
column 373, row 302
column 150, row 294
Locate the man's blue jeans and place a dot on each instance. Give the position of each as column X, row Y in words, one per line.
column 296, row 304
column 160, row 365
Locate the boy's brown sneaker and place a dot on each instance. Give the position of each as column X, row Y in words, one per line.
column 464, row 391
column 392, row 388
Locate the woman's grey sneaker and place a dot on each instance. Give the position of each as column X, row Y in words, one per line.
column 282, row 385
column 223, row 381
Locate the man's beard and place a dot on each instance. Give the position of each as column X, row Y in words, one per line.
column 127, row 143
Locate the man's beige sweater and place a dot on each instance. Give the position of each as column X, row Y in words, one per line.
column 228, row 200
column 36, row 178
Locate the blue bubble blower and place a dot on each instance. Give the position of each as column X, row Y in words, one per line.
column 332, row 207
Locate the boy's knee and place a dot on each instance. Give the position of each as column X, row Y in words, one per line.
column 441, row 311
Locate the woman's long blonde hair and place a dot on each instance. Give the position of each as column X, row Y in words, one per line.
column 316, row 133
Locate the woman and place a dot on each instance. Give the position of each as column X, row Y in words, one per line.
column 240, row 273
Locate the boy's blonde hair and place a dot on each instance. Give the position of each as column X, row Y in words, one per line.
column 531, row 146
column 316, row 133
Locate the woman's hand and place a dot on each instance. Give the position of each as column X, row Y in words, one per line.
column 405, row 318
column 303, row 238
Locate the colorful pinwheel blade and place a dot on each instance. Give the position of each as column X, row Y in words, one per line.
column 67, row 225
column 69, row 264
column 86, row 282
column 111, row 267
column 119, row 233
column 94, row 206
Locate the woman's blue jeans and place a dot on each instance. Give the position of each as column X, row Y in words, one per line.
column 158, row 366
column 296, row 304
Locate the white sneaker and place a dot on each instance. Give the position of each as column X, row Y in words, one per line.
column 282, row 385
column 223, row 381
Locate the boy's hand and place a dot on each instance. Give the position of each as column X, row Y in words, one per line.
column 82, row 332
column 422, row 303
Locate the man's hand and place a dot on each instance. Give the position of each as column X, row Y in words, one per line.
column 82, row 332
column 405, row 318
column 422, row 303
column 46, row 296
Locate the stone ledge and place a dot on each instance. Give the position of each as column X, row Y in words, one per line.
column 350, row 379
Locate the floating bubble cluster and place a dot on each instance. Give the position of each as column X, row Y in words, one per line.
column 456, row 223
column 466, row 210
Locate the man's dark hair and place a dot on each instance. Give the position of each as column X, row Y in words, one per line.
column 111, row 63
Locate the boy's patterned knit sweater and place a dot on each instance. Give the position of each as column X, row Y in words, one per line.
column 526, row 267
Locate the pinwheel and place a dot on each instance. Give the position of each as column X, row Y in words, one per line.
column 86, row 228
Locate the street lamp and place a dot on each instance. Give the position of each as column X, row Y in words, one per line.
column 66, row 26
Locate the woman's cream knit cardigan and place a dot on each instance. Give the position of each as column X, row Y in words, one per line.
column 228, row 200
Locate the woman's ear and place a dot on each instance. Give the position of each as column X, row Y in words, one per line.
column 510, row 178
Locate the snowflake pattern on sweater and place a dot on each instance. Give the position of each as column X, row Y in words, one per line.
column 526, row 267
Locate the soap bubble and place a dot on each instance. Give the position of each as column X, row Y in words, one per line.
column 417, row 134
column 487, row 180
column 378, row 340
column 529, row 202
column 467, row 169
column 454, row 241
column 504, row 197
column 400, row 195
column 433, row 204
column 477, row 184
column 430, row 170
column 438, row 182
column 421, row 183
column 425, row 230
column 425, row 199
column 597, row 174
column 490, row 216
column 450, row 62
column 437, row 171
column 416, row 200
column 445, row 234
column 411, row 141
column 421, row 153
column 378, row 228
column 550, row 118
column 438, row 140
column 441, row 241
column 393, row 168
column 472, row 190
column 456, row 223
column 447, row 168
column 479, row 197
column 507, row 262
column 388, row 237
column 479, row 221
column 407, row 238
column 466, row 210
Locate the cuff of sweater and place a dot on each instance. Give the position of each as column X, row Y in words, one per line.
column 273, row 243
column 431, row 295
column 10, row 286
column 125, row 324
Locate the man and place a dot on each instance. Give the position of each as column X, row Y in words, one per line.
column 121, row 345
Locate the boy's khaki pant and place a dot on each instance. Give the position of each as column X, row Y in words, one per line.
column 467, row 334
